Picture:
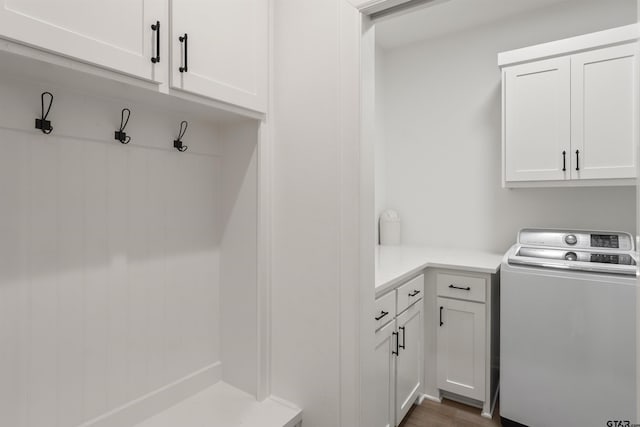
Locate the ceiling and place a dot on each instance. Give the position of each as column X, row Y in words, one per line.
column 441, row 17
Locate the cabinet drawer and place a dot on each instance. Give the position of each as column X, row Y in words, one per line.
column 385, row 310
column 410, row 292
column 461, row 287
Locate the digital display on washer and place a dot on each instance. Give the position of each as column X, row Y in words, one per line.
column 605, row 258
column 604, row 241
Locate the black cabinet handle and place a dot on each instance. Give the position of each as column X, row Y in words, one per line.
column 441, row 322
column 564, row 161
column 382, row 314
column 156, row 27
column 414, row 293
column 577, row 160
column 183, row 39
column 397, row 349
column 458, row 287
column 404, row 337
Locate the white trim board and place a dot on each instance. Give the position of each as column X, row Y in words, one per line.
column 625, row 34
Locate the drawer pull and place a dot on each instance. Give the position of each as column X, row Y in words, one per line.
column 396, row 335
column 382, row 314
column 468, row 288
column 414, row 293
column 441, row 322
column 403, row 337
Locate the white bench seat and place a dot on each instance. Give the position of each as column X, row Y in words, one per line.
column 222, row 405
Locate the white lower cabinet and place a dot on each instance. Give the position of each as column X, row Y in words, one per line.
column 409, row 362
column 465, row 327
column 398, row 355
column 384, row 371
column 461, row 347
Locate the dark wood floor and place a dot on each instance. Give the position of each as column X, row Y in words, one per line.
column 447, row 414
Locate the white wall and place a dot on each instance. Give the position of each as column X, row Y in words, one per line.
column 441, row 102
column 109, row 256
column 315, row 256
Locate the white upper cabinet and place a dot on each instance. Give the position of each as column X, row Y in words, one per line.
column 604, row 113
column 570, row 110
column 116, row 35
column 537, row 114
column 224, row 53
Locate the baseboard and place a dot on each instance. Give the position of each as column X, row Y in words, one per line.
column 462, row 399
column 158, row 400
column 510, row 423
column 429, row 397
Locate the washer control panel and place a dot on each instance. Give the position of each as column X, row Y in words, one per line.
column 609, row 252
column 576, row 239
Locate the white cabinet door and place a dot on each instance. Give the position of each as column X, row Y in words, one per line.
column 226, row 50
column 409, row 361
column 537, row 120
column 383, row 370
column 461, row 348
column 604, row 113
column 116, row 34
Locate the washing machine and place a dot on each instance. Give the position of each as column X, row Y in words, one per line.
column 568, row 329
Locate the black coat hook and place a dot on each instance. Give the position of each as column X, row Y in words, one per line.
column 177, row 143
column 42, row 123
column 120, row 133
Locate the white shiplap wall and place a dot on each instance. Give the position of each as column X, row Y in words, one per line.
column 109, row 256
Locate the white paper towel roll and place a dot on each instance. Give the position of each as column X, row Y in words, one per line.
column 389, row 228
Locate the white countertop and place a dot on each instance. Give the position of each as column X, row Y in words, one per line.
column 394, row 264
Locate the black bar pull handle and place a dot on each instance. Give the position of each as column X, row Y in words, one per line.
column 382, row 314
column 577, row 160
column 184, row 39
column 564, row 161
column 404, row 337
column 468, row 288
column 397, row 349
column 441, row 322
column 414, row 293
column 156, row 27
